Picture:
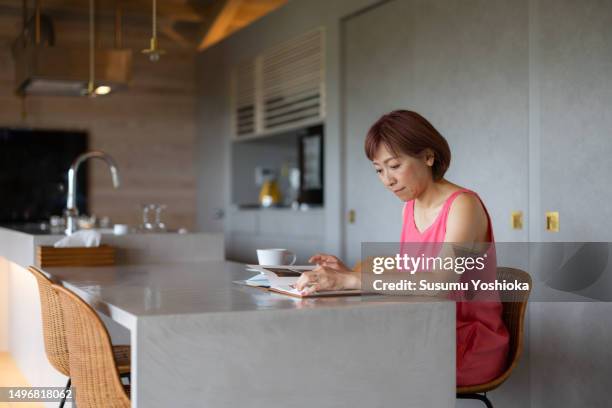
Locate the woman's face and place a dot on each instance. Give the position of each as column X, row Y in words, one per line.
column 406, row 176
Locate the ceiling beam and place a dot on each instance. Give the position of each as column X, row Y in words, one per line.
column 220, row 22
column 190, row 23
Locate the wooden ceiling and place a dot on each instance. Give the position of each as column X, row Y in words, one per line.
column 191, row 23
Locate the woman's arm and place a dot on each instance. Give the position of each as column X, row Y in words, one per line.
column 466, row 228
column 467, row 221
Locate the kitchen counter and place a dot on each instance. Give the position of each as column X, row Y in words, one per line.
column 128, row 292
column 200, row 340
column 20, row 247
column 20, row 317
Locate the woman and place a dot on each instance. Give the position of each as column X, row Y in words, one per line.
column 411, row 157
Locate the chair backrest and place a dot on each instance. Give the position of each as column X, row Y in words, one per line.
column 514, row 308
column 92, row 366
column 53, row 323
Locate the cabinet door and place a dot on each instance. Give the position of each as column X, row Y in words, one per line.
column 467, row 74
column 575, row 92
column 213, row 164
column 573, row 71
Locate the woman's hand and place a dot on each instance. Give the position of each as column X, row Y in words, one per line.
column 330, row 261
column 326, row 277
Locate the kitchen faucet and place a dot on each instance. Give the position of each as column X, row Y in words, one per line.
column 71, row 212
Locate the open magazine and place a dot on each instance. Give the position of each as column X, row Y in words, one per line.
column 282, row 278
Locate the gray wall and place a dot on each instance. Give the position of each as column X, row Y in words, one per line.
column 213, row 147
column 537, row 74
column 570, row 127
column 465, row 68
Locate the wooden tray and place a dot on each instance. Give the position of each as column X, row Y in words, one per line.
column 48, row 256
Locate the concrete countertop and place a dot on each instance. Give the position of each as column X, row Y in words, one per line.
column 127, row 292
column 133, row 248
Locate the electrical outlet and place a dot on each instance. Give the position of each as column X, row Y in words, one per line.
column 517, row 220
column 552, row 221
column 351, row 216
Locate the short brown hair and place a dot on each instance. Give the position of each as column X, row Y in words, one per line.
column 409, row 133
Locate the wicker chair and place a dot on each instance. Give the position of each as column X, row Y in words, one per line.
column 92, row 365
column 514, row 317
column 54, row 331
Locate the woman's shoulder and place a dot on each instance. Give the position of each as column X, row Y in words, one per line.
column 466, row 213
column 465, row 203
column 463, row 199
column 462, row 195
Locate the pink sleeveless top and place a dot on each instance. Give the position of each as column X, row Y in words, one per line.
column 482, row 337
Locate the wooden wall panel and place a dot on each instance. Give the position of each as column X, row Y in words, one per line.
column 149, row 129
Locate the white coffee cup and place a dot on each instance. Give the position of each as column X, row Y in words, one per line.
column 275, row 256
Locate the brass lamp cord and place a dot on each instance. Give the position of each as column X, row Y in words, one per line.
column 153, row 51
column 118, row 27
column 155, row 19
column 25, row 17
column 37, row 21
column 92, row 57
